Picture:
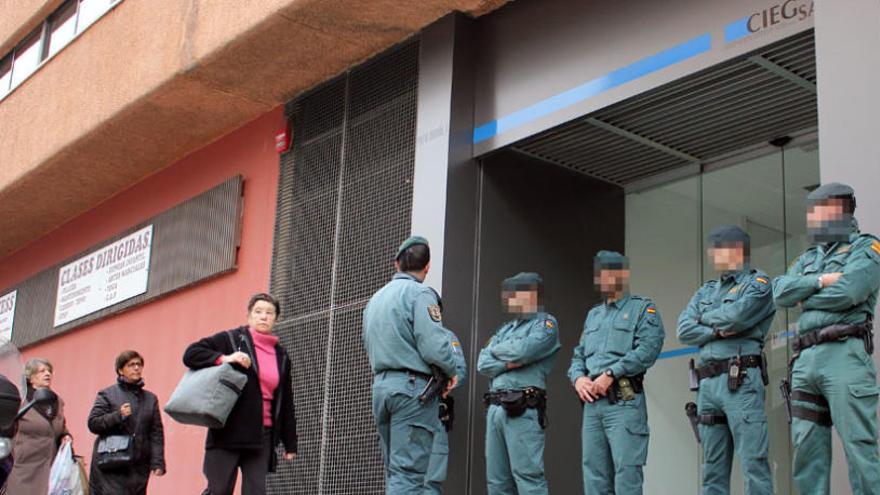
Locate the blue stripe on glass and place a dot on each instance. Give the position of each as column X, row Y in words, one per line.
column 684, row 351
column 737, row 29
column 623, row 75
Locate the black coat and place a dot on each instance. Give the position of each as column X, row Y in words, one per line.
column 244, row 425
column 145, row 422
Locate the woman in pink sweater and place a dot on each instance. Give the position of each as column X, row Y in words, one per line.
column 264, row 413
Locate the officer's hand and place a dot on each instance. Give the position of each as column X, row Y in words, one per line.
column 513, row 366
column 601, row 384
column 583, row 386
column 288, row 456
column 453, row 382
column 239, row 358
column 158, row 472
column 724, row 335
column 830, row 278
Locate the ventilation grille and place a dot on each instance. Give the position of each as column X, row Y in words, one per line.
column 748, row 101
column 344, row 205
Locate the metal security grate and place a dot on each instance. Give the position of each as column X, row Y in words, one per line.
column 741, row 103
column 344, row 204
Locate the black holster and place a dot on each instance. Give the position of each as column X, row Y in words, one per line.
column 515, row 402
column 447, row 412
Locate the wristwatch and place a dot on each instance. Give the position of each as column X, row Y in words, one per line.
column 819, row 282
column 609, row 373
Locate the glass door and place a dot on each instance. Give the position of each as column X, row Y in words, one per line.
column 665, row 239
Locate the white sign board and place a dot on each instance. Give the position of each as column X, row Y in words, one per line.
column 7, row 315
column 105, row 277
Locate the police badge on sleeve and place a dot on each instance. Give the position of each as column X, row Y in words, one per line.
column 434, row 312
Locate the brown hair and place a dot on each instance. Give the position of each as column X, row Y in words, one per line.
column 124, row 357
column 262, row 296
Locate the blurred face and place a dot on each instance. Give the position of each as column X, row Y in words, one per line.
column 42, row 378
column 520, row 301
column 612, row 282
column 728, row 258
column 133, row 370
column 262, row 317
column 825, row 212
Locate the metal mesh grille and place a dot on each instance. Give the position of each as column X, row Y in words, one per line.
column 193, row 241
column 344, row 204
column 696, row 119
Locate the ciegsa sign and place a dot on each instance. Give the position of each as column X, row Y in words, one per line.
column 104, row 277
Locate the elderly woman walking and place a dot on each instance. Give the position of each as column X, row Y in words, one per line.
column 40, row 432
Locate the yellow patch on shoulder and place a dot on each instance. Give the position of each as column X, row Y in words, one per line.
column 651, row 310
column 548, row 324
column 762, row 280
column 876, row 246
column 455, row 343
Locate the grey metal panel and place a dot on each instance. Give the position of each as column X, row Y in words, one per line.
column 704, row 116
column 344, row 205
column 847, row 37
column 530, row 52
column 193, row 241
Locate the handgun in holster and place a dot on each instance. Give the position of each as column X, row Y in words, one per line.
column 447, row 412
column 435, row 387
column 785, row 389
column 765, row 377
column 693, row 379
column 690, row 410
column 734, row 373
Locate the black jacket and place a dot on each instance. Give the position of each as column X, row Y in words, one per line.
column 145, row 423
column 244, row 425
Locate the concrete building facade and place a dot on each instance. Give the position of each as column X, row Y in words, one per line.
column 291, row 145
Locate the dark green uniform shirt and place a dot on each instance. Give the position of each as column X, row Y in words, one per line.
column 850, row 300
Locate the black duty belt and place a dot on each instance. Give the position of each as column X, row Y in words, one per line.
column 417, row 374
column 497, row 397
column 835, row 333
column 717, row 368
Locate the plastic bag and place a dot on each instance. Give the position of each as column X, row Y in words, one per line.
column 65, row 475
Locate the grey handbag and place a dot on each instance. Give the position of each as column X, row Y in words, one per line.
column 205, row 397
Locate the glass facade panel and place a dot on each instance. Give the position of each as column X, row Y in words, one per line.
column 665, row 239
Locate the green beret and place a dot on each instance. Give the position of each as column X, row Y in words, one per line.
column 410, row 242
column 727, row 235
column 830, row 191
column 610, row 260
column 523, row 281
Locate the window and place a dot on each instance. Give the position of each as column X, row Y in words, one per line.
column 26, row 57
column 62, row 28
column 5, row 74
column 90, row 11
column 53, row 34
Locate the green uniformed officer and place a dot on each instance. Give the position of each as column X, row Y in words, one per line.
column 728, row 318
column 404, row 336
column 833, row 379
column 440, row 452
column 517, row 360
column 621, row 340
